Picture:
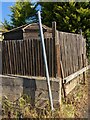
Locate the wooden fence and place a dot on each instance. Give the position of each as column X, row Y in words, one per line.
column 25, row 57
column 72, row 52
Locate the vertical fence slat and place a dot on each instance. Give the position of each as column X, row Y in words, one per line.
column 38, row 61
column 9, row 58
column 30, row 59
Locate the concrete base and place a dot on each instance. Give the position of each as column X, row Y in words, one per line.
column 35, row 87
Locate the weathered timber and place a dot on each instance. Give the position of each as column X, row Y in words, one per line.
column 72, row 76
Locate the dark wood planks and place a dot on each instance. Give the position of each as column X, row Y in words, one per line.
column 25, row 57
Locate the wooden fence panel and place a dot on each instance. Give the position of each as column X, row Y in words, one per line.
column 25, row 57
column 72, row 47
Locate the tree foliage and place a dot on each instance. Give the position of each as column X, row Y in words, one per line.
column 69, row 16
column 22, row 13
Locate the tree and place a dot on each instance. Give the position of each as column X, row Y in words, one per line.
column 70, row 17
column 22, row 13
column 7, row 25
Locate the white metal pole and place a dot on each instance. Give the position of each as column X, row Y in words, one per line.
column 45, row 61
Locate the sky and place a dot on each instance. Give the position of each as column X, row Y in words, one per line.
column 5, row 9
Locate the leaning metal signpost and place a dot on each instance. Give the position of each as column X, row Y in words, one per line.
column 45, row 61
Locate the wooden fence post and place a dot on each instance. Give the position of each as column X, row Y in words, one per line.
column 57, row 50
column 55, row 36
column 83, row 60
column 0, row 57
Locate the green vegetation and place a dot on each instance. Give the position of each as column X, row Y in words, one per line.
column 22, row 13
column 70, row 16
column 22, row 107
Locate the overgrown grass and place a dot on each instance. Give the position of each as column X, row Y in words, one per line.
column 22, row 108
